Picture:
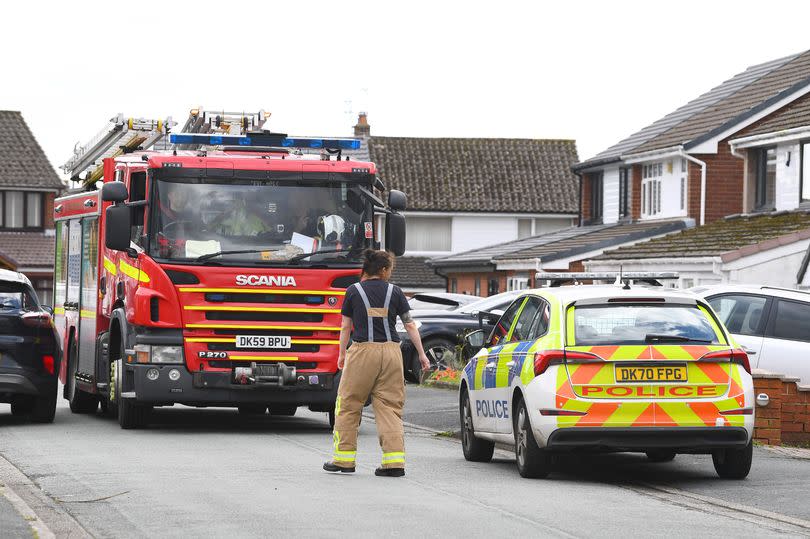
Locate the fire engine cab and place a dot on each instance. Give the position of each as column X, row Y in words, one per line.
column 211, row 272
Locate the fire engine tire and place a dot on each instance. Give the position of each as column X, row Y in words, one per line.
column 733, row 463
column 252, row 409
column 44, row 409
column 281, row 409
column 659, row 455
column 132, row 415
column 532, row 461
column 475, row 449
column 80, row 401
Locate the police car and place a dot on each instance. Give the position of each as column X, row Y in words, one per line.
column 618, row 367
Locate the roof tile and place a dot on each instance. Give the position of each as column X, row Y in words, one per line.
column 22, row 161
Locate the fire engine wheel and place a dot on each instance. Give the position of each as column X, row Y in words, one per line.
column 532, row 460
column 475, row 449
column 131, row 414
column 733, row 463
column 80, row 401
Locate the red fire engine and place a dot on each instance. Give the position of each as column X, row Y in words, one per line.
column 211, row 273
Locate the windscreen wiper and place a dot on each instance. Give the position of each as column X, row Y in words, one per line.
column 209, row 256
column 655, row 337
column 302, row 256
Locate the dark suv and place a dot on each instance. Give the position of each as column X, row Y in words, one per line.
column 29, row 350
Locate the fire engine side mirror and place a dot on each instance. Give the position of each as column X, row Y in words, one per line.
column 117, row 222
column 395, row 233
column 114, row 192
column 397, row 200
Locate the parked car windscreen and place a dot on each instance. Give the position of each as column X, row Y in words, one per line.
column 14, row 296
column 642, row 324
column 497, row 302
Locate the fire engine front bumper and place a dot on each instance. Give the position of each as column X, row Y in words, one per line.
column 174, row 384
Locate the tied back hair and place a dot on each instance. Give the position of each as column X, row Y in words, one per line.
column 374, row 262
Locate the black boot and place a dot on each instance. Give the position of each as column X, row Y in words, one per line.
column 332, row 467
column 389, row 472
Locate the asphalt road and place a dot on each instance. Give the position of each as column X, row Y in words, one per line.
column 212, row 473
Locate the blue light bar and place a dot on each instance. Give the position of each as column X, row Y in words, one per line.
column 255, row 139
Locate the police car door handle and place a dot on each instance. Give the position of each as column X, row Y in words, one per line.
column 491, row 365
column 510, row 363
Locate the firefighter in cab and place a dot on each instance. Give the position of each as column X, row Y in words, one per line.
column 372, row 366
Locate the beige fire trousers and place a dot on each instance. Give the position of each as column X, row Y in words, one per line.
column 372, row 368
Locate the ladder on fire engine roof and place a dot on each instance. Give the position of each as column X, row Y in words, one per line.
column 220, row 122
column 120, row 135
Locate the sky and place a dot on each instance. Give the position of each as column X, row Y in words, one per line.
column 594, row 72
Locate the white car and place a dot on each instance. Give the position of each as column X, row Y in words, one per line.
column 608, row 368
column 772, row 324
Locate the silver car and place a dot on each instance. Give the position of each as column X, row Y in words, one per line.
column 772, row 324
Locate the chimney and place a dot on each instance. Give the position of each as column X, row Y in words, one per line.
column 362, row 129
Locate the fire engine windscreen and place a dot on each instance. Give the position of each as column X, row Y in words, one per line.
column 277, row 220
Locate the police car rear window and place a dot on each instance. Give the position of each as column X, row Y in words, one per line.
column 642, row 324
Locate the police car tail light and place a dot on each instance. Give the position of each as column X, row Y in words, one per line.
column 733, row 356
column 544, row 360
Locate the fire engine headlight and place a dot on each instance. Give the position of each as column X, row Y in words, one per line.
column 167, row 354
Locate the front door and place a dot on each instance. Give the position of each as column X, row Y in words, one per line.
column 487, row 403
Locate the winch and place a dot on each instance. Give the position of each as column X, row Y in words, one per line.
column 276, row 374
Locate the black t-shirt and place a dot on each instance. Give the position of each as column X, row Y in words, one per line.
column 375, row 290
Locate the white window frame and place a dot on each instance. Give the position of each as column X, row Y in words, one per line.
column 651, row 185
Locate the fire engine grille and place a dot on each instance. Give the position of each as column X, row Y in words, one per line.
column 290, row 332
column 248, row 316
column 235, row 297
column 231, row 347
column 299, row 365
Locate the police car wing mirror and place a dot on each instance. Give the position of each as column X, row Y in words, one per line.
column 487, row 318
column 475, row 339
column 114, row 192
column 397, row 200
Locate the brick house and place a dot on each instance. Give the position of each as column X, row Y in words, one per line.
column 28, row 186
column 512, row 265
column 687, row 164
column 466, row 193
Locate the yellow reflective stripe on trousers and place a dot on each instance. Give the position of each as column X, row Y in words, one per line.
column 342, row 456
column 391, row 458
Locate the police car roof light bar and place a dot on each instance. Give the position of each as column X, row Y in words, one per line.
column 265, row 139
column 650, row 277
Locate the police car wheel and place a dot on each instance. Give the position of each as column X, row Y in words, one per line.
column 532, row 460
column 660, row 456
column 475, row 449
column 733, row 463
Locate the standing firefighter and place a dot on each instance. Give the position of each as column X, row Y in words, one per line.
column 373, row 366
